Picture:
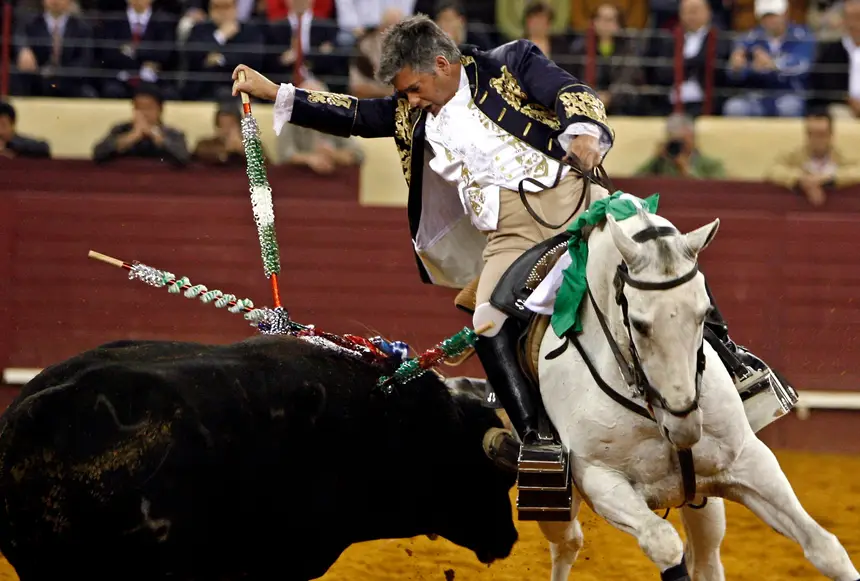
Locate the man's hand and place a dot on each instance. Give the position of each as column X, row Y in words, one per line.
column 738, row 59
column 214, row 59
column 810, row 185
column 27, row 62
column 320, row 163
column 762, row 62
column 854, row 104
column 586, row 149
column 254, row 84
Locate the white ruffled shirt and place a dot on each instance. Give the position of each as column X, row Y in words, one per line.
column 474, row 154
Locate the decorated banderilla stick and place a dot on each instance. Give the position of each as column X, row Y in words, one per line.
column 261, row 196
column 418, row 366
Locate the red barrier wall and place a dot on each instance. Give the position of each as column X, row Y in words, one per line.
column 784, row 275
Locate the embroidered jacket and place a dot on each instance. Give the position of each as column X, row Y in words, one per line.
column 514, row 85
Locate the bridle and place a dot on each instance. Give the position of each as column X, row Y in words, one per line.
column 633, row 373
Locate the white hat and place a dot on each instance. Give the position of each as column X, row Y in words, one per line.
column 763, row 7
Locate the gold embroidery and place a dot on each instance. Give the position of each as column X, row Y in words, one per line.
column 335, row 99
column 467, row 60
column 473, row 191
column 510, row 90
column 403, row 137
column 501, row 115
column 583, row 104
column 528, row 128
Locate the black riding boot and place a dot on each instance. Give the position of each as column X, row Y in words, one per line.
column 498, row 355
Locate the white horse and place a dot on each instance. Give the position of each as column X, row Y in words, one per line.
column 625, row 465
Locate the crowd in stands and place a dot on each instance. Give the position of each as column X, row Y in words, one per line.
column 676, row 58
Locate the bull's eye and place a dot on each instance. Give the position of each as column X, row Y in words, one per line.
column 641, row 327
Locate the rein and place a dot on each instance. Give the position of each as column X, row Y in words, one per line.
column 633, row 373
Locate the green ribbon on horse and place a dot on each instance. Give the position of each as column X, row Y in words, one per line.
column 573, row 287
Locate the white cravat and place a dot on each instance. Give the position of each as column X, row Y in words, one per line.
column 853, row 67
column 140, row 20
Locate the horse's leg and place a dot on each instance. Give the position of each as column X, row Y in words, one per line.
column 565, row 540
column 613, row 498
column 705, row 528
column 757, row 481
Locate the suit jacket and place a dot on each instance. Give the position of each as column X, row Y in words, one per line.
column 29, row 147
column 155, row 44
column 246, row 47
column 515, row 85
column 789, row 168
column 77, row 42
column 174, row 149
column 695, row 67
column 829, row 76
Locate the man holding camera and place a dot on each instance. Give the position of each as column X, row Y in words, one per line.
column 678, row 156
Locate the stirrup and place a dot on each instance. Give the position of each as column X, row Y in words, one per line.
column 544, row 491
column 765, row 397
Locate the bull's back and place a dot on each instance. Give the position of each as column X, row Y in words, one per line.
column 101, row 464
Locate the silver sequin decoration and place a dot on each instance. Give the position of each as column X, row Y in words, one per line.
column 149, row 275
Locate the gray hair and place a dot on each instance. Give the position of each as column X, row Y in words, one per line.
column 414, row 43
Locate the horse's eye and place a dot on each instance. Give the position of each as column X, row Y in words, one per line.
column 641, row 327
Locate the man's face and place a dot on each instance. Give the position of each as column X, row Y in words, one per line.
column 148, row 107
column 538, row 24
column 818, row 135
column 57, row 7
column 851, row 18
column 694, row 14
column 227, row 125
column 429, row 91
column 140, row 6
column 7, row 129
column 774, row 24
column 222, row 11
column 453, row 24
column 606, row 21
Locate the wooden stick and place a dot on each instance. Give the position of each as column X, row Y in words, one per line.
column 246, row 101
column 105, row 258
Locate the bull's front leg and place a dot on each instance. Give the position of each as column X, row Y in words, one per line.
column 614, row 499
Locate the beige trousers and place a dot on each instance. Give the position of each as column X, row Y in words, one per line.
column 517, row 231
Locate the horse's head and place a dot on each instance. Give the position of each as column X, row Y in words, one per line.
column 664, row 303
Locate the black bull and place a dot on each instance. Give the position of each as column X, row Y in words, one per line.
column 263, row 459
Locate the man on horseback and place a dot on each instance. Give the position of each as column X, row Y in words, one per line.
column 497, row 149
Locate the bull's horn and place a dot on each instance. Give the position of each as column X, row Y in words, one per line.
column 502, row 448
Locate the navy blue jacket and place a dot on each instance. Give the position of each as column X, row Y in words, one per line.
column 524, row 92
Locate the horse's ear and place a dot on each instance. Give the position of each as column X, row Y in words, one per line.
column 698, row 239
column 628, row 248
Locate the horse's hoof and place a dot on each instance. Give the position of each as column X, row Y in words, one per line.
column 502, row 447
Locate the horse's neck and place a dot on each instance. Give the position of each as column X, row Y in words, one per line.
column 603, row 258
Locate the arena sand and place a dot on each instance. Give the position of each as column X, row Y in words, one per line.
column 827, row 485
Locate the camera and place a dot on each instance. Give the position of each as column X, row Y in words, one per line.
column 674, row 147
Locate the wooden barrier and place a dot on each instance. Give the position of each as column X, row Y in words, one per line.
column 785, row 275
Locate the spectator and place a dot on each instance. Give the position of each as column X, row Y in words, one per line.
column 772, row 65
column 701, row 40
column 13, row 144
column 836, row 73
column 277, row 10
column 317, row 42
column 744, row 13
column 618, row 69
column 451, row 17
column 824, row 19
column 138, row 48
column 226, row 147
column 665, row 14
column 358, row 17
column 510, row 19
column 633, row 12
column 818, row 166
column 320, row 152
column 218, row 46
column 145, row 136
column 362, row 83
column 537, row 27
column 679, row 156
column 53, row 50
